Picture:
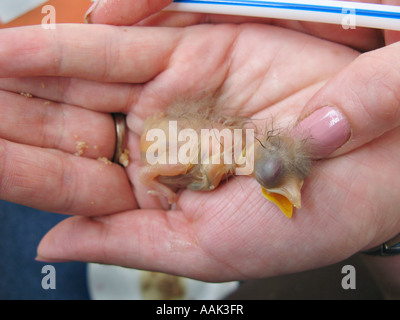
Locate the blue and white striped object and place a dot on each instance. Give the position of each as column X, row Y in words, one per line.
column 346, row 13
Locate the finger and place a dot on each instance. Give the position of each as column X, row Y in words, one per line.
column 94, row 52
column 125, row 12
column 359, row 104
column 359, row 38
column 74, row 91
column 143, row 239
column 53, row 181
column 41, row 123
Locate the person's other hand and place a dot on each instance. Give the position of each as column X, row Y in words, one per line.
column 232, row 232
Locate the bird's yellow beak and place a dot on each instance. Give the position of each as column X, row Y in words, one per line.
column 286, row 196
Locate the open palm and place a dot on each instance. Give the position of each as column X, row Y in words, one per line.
column 78, row 74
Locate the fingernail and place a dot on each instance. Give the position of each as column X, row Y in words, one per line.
column 90, row 11
column 327, row 129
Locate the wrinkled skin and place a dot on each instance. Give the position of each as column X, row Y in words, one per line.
column 230, row 233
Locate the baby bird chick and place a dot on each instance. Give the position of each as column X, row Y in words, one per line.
column 281, row 162
column 196, row 168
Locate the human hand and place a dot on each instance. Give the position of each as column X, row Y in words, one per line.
column 127, row 12
column 230, row 233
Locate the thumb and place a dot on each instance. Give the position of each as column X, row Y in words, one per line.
column 123, row 12
column 356, row 106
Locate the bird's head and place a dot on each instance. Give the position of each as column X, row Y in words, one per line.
column 281, row 163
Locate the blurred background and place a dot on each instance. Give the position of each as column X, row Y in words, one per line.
column 21, row 228
column 29, row 12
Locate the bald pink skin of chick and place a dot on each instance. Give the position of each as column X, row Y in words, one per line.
column 281, row 162
column 197, row 174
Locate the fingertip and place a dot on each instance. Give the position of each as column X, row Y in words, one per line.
column 356, row 106
column 68, row 240
column 326, row 129
column 123, row 12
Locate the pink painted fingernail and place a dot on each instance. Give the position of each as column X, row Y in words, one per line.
column 327, row 128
